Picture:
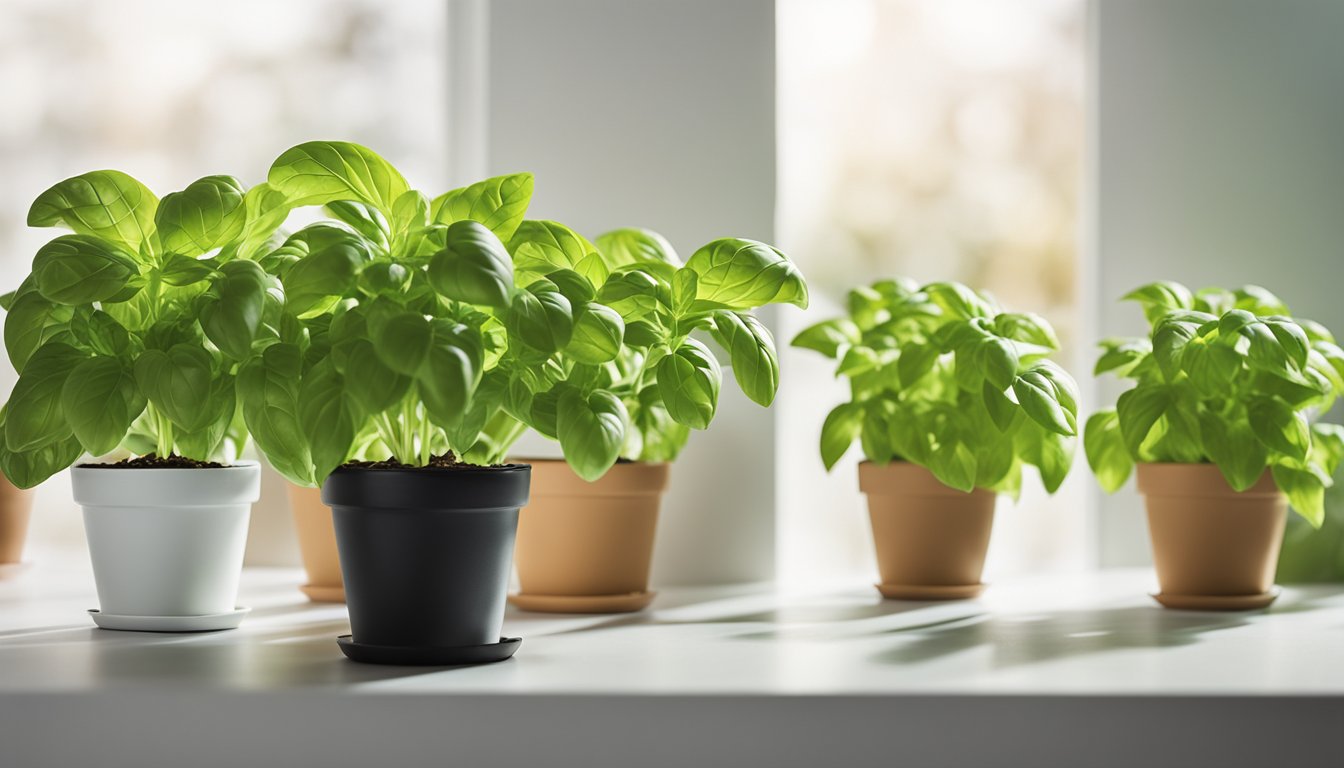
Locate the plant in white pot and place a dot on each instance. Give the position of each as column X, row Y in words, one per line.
column 586, row 540
column 127, row 337
column 1218, row 425
column 950, row 398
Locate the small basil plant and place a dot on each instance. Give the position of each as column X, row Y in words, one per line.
column 128, row 334
column 942, row 378
column 1226, row 377
column 414, row 328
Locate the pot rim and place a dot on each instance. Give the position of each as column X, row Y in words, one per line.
column 238, row 483
column 1172, row 478
column 556, row 478
column 466, row 489
column 906, row 478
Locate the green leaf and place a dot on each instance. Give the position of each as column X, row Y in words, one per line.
column 98, row 332
column 266, row 208
column 591, row 431
column 402, row 341
column 828, row 337
column 1305, row 492
column 637, row 246
column 269, row 386
column 322, row 172
column 1028, row 327
column 365, row 219
column 542, row 320
column 689, row 381
column 499, row 203
column 101, row 399
column 1040, row 399
column 206, row 215
column 1054, row 459
column 368, row 381
column 843, row 424
column 999, row 359
column 326, row 419
column 598, row 334
column 1003, row 411
column 328, row 273
column 179, row 270
column 1211, row 367
column 34, row 416
column 915, row 362
column 1106, row 453
column 28, row 468
column 452, row 370
column 1291, row 338
column 743, row 274
column 1169, row 342
column 178, row 384
column 1138, row 410
column 954, row 465
column 410, row 217
column 542, row 247
column 1232, row 446
column 1279, row 427
column 684, row 286
column 958, row 301
column 105, row 204
column 473, row 266
column 81, row 269
column 1121, row 355
column 751, row 352
column 232, row 314
column 635, row 294
column 1161, row 297
column 31, row 322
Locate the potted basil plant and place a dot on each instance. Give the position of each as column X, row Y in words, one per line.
column 950, row 398
column 641, row 347
column 1219, row 424
column 411, row 356
column 128, row 336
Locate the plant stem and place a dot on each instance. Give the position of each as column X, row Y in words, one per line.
column 425, row 447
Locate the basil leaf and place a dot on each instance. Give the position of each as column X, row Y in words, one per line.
column 206, row 215
column 322, row 172
column 751, row 352
column 591, row 431
column 178, row 383
column 108, row 205
column 101, row 400
column 598, row 334
column 81, row 269
column 742, row 274
column 473, row 267
column 1106, row 451
column 828, row 337
column 689, row 381
column 637, row 246
column 327, row 419
column 34, row 416
column 232, row 314
column 452, row 371
column 838, row 432
column 269, row 384
column 499, row 203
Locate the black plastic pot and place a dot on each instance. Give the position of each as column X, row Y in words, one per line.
column 426, row 555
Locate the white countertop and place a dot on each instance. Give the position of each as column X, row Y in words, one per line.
column 1087, row 648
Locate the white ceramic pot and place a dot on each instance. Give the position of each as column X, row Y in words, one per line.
column 167, row 542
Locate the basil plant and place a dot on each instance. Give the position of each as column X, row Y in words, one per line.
column 129, row 332
column 1226, row 377
column 942, row 378
column 415, row 328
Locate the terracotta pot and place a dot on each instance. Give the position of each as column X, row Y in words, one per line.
column 317, row 545
column 586, row 547
column 1209, row 540
column 931, row 540
column 16, row 507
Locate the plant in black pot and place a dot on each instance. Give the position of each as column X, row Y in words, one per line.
column 128, row 336
column 403, row 373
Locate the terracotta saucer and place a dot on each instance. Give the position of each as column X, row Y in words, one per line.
column 428, row 656
column 207, row 623
column 929, row 592
column 1217, row 602
column 627, row 603
column 319, row 593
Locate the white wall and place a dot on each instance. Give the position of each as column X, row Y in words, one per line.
column 661, row 115
column 1219, row 131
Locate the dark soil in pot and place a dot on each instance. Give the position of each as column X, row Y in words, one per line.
column 426, row 552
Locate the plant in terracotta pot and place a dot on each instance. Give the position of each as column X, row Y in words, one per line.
column 1218, row 423
column 641, row 343
column 950, row 398
column 128, row 336
column 412, row 355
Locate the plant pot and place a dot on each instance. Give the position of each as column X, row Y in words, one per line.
column 16, row 507
column 167, row 544
column 931, row 540
column 1213, row 548
column 426, row 554
column 586, row 547
column 317, row 545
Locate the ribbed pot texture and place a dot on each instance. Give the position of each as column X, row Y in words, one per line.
column 577, row 538
column 426, row 553
column 926, row 534
column 167, row 542
column 1207, row 538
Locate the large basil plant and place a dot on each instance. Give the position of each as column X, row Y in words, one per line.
column 416, row 327
column 1225, row 377
column 129, row 332
column 941, row 377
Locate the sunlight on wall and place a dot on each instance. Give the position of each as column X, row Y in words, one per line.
column 935, row 140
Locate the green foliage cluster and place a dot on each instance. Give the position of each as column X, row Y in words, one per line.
column 1226, row 377
column 941, row 377
column 398, row 325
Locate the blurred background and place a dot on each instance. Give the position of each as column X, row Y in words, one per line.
column 1053, row 152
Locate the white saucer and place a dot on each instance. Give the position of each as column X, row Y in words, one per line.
column 10, row 570
column 207, row 623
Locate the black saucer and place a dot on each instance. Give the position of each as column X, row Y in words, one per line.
column 428, row 657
